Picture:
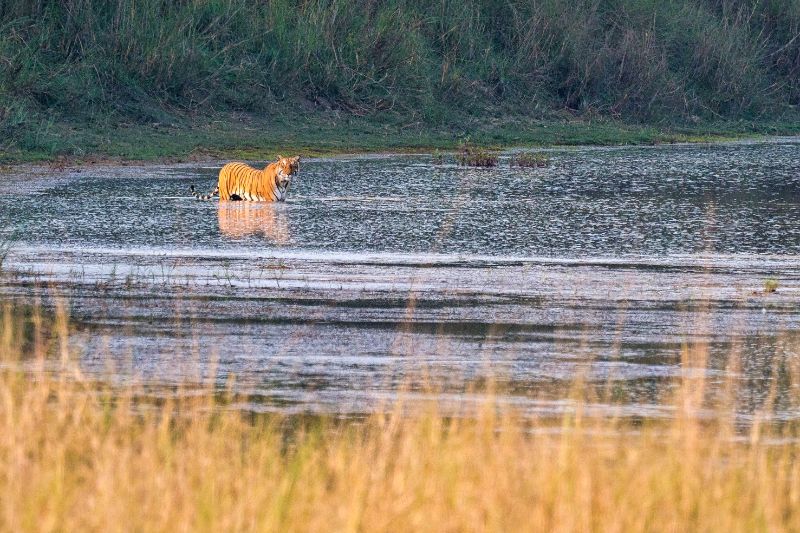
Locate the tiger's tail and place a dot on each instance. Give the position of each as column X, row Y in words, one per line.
column 208, row 196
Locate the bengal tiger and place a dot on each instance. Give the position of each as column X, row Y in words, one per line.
column 238, row 181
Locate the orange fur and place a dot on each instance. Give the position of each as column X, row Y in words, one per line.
column 238, row 181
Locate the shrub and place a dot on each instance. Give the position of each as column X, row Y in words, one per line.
column 473, row 156
column 530, row 160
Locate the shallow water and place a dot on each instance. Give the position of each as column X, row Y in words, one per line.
column 380, row 269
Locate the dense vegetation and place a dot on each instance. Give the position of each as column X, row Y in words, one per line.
column 82, row 455
column 417, row 61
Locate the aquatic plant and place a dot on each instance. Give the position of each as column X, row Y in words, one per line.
column 192, row 457
column 530, row 159
column 6, row 243
column 473, row 156
column 4, row 249
column 770, row 285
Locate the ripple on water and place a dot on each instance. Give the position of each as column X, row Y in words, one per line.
column 379, row 268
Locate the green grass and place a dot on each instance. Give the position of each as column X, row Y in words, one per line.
column 237, row 136
column 90, row 77
column 470, row 155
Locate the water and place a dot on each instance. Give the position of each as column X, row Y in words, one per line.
column 380, row 269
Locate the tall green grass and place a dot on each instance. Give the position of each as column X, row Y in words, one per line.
column 419, row 61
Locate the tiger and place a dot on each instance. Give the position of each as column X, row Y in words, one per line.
column 239, row 181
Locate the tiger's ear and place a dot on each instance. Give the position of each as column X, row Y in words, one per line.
column 280, row 157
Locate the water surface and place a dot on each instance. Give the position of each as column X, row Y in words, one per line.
column 607, row 263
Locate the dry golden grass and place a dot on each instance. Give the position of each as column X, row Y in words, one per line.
column 78, row 455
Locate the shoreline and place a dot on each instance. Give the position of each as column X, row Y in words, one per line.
column 259, row 139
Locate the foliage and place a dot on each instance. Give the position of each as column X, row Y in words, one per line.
column 415, row 61
column 530, row 159
column 474, row 156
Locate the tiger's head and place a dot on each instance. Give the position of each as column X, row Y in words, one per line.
column 285, row 168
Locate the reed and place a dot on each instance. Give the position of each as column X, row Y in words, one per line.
column 470, row 155
column 530, row 160
column 78, row 454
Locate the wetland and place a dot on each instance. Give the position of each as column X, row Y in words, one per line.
column 385, row 275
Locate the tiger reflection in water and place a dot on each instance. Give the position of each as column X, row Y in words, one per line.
column 243, row 219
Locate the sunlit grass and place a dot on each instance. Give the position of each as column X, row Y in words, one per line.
column 76, row 454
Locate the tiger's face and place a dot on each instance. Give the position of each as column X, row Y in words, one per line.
column 286, row 168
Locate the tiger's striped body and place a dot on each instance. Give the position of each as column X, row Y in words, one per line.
column 238, row 181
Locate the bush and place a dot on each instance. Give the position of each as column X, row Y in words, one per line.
column 421, row 61
column 530, row 160
column 473, row 156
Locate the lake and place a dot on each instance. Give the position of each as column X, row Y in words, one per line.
column 384, row 275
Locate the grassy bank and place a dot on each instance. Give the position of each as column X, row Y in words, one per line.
column 76, row 454
column 251, row 137
column 91, row 77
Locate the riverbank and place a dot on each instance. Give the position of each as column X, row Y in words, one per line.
column 254, row 137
